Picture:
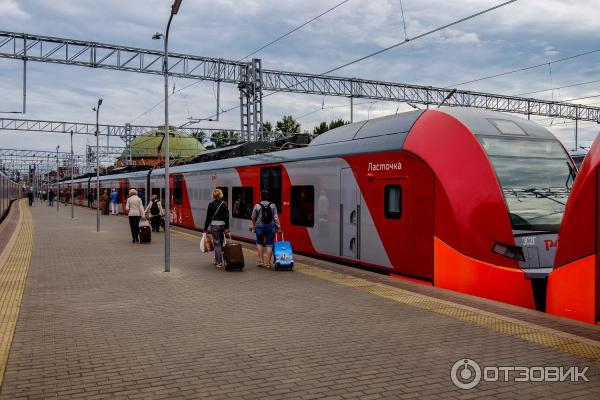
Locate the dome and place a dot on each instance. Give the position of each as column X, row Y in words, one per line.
column 150, row 145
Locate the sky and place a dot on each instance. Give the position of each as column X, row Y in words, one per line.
column 524, row 33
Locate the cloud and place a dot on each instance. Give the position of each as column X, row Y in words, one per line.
column 522, row 34
column 11, row 9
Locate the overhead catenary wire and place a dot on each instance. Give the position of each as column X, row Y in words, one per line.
column 403, row 21
column 294, row 30
column 514, row 71
column 252, row 53
column 560, row 87
column 420, row 36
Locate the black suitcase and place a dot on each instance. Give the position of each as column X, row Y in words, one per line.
column 145, row 234
column 233, row 256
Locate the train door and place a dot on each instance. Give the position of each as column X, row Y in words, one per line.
column 349, row 215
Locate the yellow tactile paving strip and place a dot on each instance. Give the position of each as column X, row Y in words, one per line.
column 546, row 337
column 557, row 340
column 14, row 264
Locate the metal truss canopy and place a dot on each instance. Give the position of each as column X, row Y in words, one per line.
column 24, row 46
column 82, row 128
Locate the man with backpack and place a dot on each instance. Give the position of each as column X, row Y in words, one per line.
column 156, row 212
column 265, row 223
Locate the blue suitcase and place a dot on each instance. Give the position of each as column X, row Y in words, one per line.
column 283, row 254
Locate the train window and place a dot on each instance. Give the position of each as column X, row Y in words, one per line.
column 507, row 127
column 243, row 202
column 536, row 177
column 392, row 199
column 178, row 190
column 225, row 193
column 162, row 195
column 270, row 179
column 302, row 205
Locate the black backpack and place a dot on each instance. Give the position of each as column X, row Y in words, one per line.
column 154, row 208
column 266, row 213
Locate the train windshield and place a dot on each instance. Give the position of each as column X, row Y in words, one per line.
column 536, row 178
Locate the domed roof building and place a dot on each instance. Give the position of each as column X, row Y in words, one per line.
column 147, row 149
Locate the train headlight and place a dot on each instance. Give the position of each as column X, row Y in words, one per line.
column 514, row 252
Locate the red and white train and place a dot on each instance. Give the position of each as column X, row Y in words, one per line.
column 574, row 284
column 9, row 191
column 464, row 199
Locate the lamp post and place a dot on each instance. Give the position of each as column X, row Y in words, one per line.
column 174, row 10
column 97, row 109
column 57, row 182
column 72, row 167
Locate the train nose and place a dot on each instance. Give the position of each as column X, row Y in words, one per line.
column 539, row 250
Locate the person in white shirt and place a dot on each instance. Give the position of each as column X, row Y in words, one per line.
column 135, row 210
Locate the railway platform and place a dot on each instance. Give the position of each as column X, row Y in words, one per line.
column 91, row 315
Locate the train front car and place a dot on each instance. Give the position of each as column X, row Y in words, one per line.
column 501, row 188
column 574, row 284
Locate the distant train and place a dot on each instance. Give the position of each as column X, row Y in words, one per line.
column 9, row 191
column 574, row 284
column 463, row 199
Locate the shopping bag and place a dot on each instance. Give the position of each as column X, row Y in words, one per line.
column 206, row 244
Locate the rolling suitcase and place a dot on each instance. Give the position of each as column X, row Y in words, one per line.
column 283, row 254
column 233, row 256
column 145, row 231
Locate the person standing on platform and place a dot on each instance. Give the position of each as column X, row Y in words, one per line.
column 114, row 198
column 142, row 195
column 135, row 210
column 217, row 224
column 51, row 196
column 30, row 197
column 90, row 199
column 265, row 223
column 105, row 201
column 156, row 212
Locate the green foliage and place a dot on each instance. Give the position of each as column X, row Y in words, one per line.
column 324, row 127
column 225, row 138
column 268, row 127
column 337, row 123
column 288, row 125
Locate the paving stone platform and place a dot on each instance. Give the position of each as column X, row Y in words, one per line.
column 100, row 319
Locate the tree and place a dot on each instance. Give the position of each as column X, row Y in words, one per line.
column 268, row 127
column 288, row 125
column 324, row 127
column 337, row 123
column 321, row 128
column 224, row 138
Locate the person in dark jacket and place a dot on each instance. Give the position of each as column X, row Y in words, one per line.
column 217, row 224
column 30, row 197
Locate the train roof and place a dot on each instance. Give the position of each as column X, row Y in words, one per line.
column 376, row 135
column 494, row 123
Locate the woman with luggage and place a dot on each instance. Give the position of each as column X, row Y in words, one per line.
column 265, row 223
column 135, row 210
column 217, row 224
column 156, row 212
